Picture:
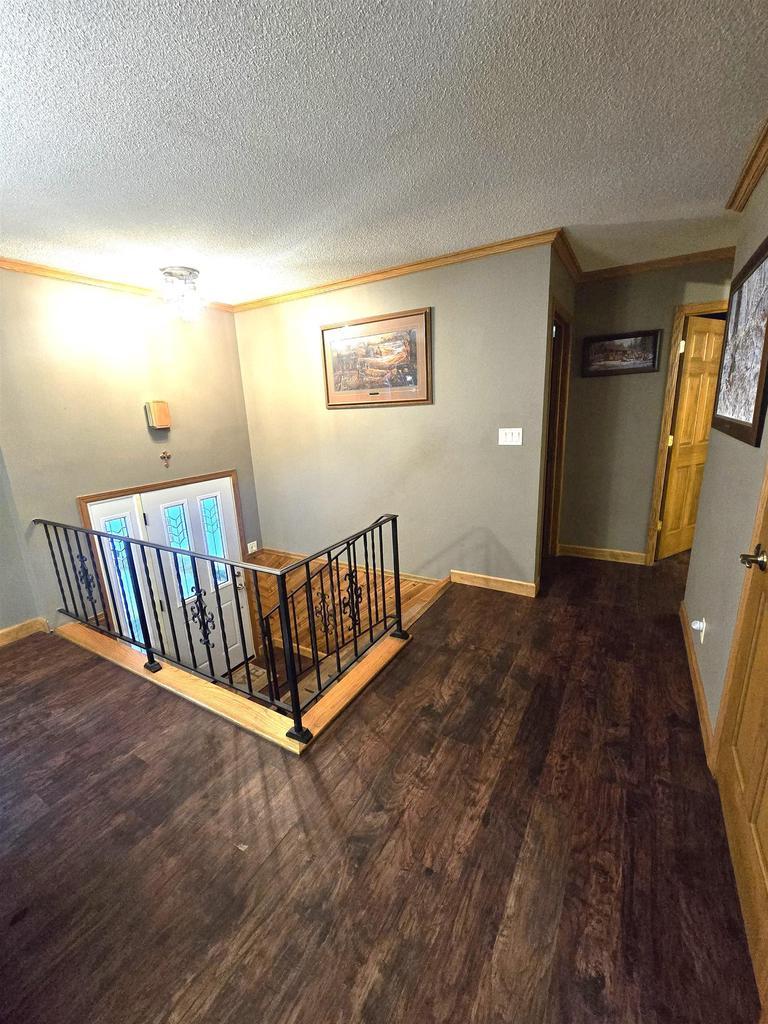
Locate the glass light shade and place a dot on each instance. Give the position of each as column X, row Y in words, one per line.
column 180, row 291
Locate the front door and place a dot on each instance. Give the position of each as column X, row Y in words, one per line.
column 199, row 605
column 201, row 517
column 690, row 437
column 742, row 760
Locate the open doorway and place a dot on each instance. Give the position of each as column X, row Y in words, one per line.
column 557, row 415
column 695, row 350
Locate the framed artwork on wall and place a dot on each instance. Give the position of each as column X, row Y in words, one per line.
column 607, row 355
column 740, row 401
column 381, row 360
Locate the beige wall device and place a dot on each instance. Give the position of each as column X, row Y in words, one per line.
column 158, row 415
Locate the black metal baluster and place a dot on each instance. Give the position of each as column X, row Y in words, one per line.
column 97, row 577
column 85, row 577
column 184, row 609
column 55, row 565
column 167, row 599
column 375, row 581
column 213, row 567
column 111, row 589
column 298, row 732
column 398, row 631
column 324, row 611
column 341, row 602
column 150, row 664
column 273, row 684
column 383, row 578
column 67, row 572
column 296, row 633
column 368, row 586
column 270, row 665
column 152, row 601
column 121, row 585
column 203, row 620
column 311, row 621
column 333, row 609
column 239, row 614
column 74, row 572
column 352, row 597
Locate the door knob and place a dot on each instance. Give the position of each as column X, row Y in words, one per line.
column 760, row 559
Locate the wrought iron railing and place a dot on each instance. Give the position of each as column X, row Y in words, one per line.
column 277, row 636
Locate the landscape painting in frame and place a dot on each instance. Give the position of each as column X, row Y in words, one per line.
column 740, row 402
column 382, row 360
column 605, row 355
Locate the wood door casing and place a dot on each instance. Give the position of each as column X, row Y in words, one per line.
column 742, row 754
column 690, row 431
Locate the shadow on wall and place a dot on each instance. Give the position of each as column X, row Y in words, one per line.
column 474, row 551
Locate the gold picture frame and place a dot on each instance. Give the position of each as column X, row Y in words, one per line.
column 379, row 360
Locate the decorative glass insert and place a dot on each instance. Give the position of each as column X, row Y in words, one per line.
column 210, row 513
column 177, row 532
column 119, row 526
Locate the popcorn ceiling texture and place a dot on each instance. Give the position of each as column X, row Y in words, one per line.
column 276, row 145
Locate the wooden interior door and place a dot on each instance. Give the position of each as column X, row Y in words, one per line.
column 742, row 759
column 690, row 436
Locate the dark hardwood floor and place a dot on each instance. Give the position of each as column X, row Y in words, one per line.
column 514, row 823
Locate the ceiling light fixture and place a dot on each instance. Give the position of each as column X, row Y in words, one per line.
column 180, row 291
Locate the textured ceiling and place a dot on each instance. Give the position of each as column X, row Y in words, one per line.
column 284, row 143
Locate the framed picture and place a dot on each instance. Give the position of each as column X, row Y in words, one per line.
column 740, row 401
column 605, row 355
column 380, row 360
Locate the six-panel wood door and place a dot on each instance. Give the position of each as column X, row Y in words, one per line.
column 696, row 399
column 742, row 761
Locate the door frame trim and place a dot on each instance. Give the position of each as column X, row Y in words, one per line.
column 84, row 500
column 668, row 411
column 556, row 312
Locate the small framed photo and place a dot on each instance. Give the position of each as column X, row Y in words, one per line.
column 606, row 355
column 741, row 392
column 381, row 360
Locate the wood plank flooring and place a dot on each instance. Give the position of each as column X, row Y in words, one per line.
column 514, row 823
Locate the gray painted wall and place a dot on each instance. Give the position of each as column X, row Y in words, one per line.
column 76, row 365
column 613, row 422
column 16, row 601
column 732, row 480
column 465, row 502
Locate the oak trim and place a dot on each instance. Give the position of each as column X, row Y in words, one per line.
column 705, row 723
column 351, row 684
column 625, row 270
column 568, row 257
column 522, row 588
column 754, row 168
column 246, row 714
column 10, row 634
column 70, row 276
column 431, row 263
column 602, row 554
column 668, row 411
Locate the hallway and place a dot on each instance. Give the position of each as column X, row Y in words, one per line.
column 514, row 823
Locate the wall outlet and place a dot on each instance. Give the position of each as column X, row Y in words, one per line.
column 700, row 626
column 253, row 547
column 510, row 435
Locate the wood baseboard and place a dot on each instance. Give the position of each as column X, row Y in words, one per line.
column 707, row 733
column 603, row 554
column 475, row 579
column 11, row 634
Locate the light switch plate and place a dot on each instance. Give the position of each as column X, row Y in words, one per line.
column 253, row 547
column 510, row 435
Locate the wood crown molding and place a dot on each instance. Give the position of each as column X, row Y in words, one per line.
column 57, row 274
column 568, row 257
column 751, row 173
column 706, row 256
column 431, row 263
